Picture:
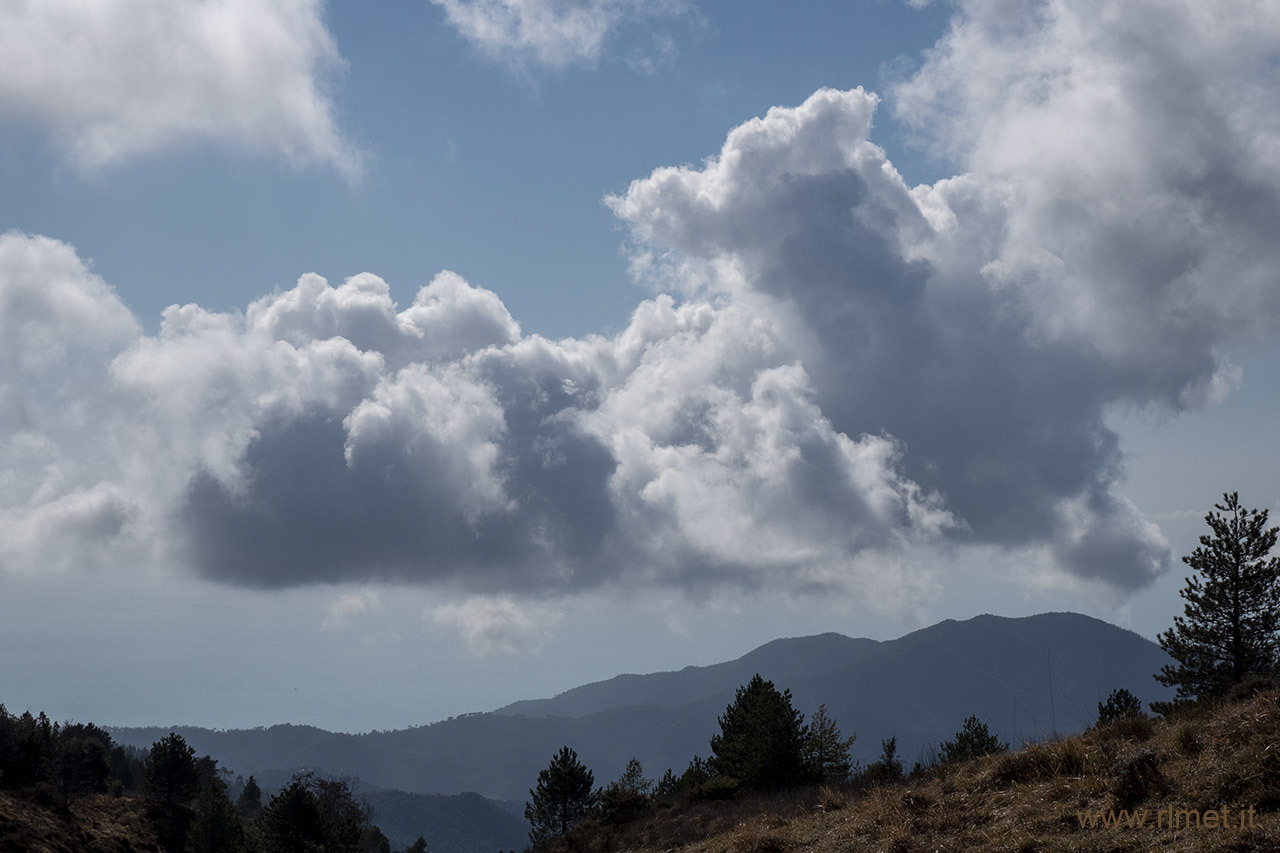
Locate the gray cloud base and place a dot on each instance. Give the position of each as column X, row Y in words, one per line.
column 850, row 373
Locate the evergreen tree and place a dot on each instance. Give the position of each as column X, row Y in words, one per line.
column 826, row 752
column 761, row 740
column 888, row 768
column 77, row 764
column 632, row 781
column 1230, row 622
column 169, row 771
column 1120, row 705
column 627, row 796
column 215, row 828
column 291, row 822
column 697, row 774
column 666, row 786
column 562, row 797
column 419, row 846
column 972, row 741
column 249, row 803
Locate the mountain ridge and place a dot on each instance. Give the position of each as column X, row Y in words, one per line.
column 1026, row 677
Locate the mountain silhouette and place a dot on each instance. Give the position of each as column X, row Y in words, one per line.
column 1026, row 678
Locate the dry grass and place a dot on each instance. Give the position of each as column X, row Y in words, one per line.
column 1030, row 800
column 98, row 824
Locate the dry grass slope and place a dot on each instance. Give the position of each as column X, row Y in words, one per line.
column 98, row 824
column 1195, row 765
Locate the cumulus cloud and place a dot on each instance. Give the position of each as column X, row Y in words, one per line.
column 495, row 626
column 557, row 33
column 115, row 79
column 843, row 374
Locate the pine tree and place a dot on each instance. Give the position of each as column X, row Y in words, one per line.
column 1228, row 631
column 563, row 797
column 249, row 803
column 666, row 786
column 215, row 828
column 761, row 740
column 1121, row 704
column 826, row 752
column 888, row 768
column 632, row 781
column 972, row 741
column 170, row 771
column 291, row 822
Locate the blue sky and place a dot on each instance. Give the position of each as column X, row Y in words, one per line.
column 728, row 349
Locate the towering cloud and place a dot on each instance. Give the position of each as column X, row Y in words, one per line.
column 841, row 370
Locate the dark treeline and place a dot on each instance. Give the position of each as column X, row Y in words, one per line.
column 193, row 805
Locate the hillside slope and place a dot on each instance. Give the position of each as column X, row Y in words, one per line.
column 1207, row 781
column 97, row 824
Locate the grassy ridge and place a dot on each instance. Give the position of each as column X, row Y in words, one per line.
column 1116, row 788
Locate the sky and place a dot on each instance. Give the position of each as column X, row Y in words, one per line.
column 364, row 365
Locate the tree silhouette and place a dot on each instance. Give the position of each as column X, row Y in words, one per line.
column 291, row 822
column 215, row 828
column 249, row 803
column 761, row 740
column 826, row 751
column 972, row 741
column 1229, row 626
column 1120, row 705
column 562, row 797
column 78, row 764
column 169, row 771
column 887, row 768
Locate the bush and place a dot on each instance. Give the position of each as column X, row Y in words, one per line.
column 1120, row 704
column 972, row 741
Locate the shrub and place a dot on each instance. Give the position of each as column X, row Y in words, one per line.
column 972, row 741
column 1120, row 705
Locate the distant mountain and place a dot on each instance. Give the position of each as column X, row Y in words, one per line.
column 802, row 657
column 1025, row 678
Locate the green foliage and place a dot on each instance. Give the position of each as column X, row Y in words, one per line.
column 26, row 743
column 632, row 781
column 761, row 740
column 562, row 797
column 170, row 773
column 626, row 797
column 291, row 821
column 826, row 751
column 249, row 803
column 77, row 764
column 887, row 768
column 697, row 774
column 317, row 814
column 419, row 846
column 667, row 786
column 1230, row 625
column 972, row 741
column 1121, row 704
column 215, row 828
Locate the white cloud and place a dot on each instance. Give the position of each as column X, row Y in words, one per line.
column 351, row 606
column 496, row 626
column 115, row 79
column 856, row 373
column 1126, row 156
column 556, row 33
